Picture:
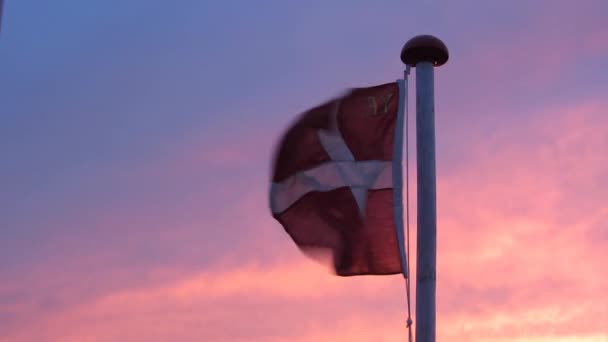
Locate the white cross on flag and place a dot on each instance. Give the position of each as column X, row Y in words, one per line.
column 336, row 182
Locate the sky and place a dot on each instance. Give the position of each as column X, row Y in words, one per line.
column 136, row 140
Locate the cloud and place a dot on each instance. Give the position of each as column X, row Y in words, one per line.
column 520, row 258
column 223, row 305
column 295, row 301
column 515, row 249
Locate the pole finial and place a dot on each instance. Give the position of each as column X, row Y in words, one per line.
column 424, row 48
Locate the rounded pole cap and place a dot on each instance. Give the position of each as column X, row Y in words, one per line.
column 424, row 48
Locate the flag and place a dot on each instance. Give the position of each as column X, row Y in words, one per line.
column 336, row 181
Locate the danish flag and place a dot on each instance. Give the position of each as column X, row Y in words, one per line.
column 336, row 181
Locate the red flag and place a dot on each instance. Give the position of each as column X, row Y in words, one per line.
column 333, row 181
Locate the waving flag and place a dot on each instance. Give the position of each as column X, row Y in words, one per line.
column 336, row 182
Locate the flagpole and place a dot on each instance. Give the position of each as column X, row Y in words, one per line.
column 424, row 53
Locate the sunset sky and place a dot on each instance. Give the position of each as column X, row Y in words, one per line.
column 136, row 140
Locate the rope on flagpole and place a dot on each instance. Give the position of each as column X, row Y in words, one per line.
column 407, row 203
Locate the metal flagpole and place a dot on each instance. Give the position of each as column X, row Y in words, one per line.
column 425, row 52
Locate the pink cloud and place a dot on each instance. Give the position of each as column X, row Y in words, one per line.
column 517, row 261
column 514, row 240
